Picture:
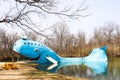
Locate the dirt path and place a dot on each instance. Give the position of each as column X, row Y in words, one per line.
column 28, row 72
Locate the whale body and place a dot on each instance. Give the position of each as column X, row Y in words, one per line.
column 43, row 54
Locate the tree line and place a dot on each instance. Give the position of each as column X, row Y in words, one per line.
column 64, row 43
column 78, row 45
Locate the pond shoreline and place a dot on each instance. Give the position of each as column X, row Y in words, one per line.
column 27, row 71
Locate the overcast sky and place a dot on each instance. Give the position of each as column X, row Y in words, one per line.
column 101, row 11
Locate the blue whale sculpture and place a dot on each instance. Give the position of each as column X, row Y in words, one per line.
column 43, row 54
column 98, row 68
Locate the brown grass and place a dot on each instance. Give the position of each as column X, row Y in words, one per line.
column 27, row 71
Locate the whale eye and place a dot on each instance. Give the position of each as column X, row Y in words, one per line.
column 36, row 49
column 24, row 38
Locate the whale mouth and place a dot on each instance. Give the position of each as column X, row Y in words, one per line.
column 36, row 57
column 14, row 52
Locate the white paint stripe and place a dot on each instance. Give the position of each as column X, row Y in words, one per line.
column 51, row 59
column 51, row 66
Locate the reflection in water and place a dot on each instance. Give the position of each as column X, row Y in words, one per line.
column 88, row 69
column 98, row 67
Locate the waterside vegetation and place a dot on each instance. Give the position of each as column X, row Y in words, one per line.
column 65, row 43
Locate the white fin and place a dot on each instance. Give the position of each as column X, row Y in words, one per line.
column 51, row 66
column 51, row 59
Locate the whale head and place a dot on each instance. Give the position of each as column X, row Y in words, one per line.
column 34, row 50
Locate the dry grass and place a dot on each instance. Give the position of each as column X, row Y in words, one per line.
column 27, row 71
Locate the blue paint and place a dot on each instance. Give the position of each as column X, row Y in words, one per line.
column 39, row 52
column 98, row 68
column 28, row 49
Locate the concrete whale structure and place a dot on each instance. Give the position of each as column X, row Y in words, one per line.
column 98, row 68
column 43, row 54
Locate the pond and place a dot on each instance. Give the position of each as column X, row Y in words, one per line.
column 94, row 71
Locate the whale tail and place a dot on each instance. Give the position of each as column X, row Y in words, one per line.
column 98, row 54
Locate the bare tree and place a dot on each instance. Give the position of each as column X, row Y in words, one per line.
column 12, row 37
column 81, row 43
column 70, row 45
column 60, row 32
column 21, row 13
column 105, row 35
column 32, row 35
column 98, row 37
column 3, row 42
column 108, row 32
column 117, row 38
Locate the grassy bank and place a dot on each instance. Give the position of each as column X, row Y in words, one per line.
column 27, row 71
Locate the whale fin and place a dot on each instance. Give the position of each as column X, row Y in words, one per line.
column 51, row 59
column 98, row 54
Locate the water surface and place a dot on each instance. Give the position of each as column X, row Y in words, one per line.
column 94, row 71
